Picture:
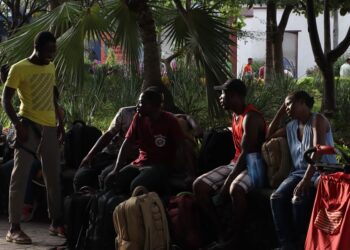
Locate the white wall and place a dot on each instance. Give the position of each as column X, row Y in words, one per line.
column 255, row 48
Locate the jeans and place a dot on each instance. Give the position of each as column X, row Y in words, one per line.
column 5, row 176
column 291, row 217
column 88, row 175
column 49, row 154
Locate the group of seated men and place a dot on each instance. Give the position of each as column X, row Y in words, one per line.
column 157, row 136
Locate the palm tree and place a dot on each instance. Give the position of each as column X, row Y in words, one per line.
column 196, row 30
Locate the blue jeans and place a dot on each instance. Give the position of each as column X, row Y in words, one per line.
column 291, row 218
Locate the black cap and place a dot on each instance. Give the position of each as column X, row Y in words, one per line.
column 234, row 85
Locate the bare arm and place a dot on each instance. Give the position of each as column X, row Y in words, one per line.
column 123, row 155
column 7, row 96
column 252, row 126
column 320, row 127
column 273, row 130
column 105, row 139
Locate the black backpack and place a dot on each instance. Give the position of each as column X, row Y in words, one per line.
column 217, row 149
column 76, row 210
column 78, row 141
column 100, row 233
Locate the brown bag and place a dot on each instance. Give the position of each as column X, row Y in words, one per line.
column 278, row 161
column 140, row 222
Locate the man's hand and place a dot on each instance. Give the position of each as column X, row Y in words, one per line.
column 110, row 179
column 303, row 187
column 21, row 132
column 60, row 133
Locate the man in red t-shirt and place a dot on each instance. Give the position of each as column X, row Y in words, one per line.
column 157, row 134
column 248, row 69
column 246, row 170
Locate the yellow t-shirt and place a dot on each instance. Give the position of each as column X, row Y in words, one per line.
column 34, row 85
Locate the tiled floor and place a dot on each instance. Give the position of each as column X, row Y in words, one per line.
column 36, row 230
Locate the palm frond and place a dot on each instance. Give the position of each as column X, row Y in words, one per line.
column 72, row 23
column 125, row 30
column 57, row 21
column 206, row 37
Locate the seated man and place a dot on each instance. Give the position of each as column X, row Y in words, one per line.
column 110, row 142
column 245, row 171
column 157, row 134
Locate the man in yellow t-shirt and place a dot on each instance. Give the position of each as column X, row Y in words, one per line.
column 33, row 79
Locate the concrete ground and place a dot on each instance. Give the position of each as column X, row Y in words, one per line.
column 38, row 231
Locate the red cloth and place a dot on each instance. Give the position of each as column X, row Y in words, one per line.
column 157, row 141
column 248, row 69
column 329, row 226
column 237, row 130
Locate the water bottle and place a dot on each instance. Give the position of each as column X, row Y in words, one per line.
column 256, row 169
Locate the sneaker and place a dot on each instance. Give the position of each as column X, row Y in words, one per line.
column 57, row 231
column 18, row 237
column 28, row 211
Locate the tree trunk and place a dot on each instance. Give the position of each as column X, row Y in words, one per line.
column 335, row 28
column 278, row 53
column 151, row 57
column 278, row 38
column 325, row 61
column 269, row 42
column 328, row 102
column 327, row 27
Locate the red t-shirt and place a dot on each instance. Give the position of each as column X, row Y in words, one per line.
column 237, row 130
column 248, row 69
column 157, row 141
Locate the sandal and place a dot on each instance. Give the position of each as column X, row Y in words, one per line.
column 18, row 237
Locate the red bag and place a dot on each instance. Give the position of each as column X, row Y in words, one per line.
column 184, row 221
column 329, row 226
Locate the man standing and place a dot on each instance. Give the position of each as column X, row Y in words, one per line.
column 248, row 69
column 246, row 170
column 38, row 128
column 345, row 68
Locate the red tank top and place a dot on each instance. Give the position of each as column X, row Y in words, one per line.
column 237, row 130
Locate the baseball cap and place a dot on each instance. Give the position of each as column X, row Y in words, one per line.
column 234, row 85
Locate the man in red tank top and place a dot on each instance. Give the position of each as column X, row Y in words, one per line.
column 246, row 170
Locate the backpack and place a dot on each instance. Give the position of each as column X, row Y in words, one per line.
column 140, row 222
column 76, row 209
column 184, row 221
column 217, row 149
column 100, row 233
column 278, row 161
column 79, row 139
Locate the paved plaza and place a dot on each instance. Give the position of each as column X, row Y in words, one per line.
column 38, row 231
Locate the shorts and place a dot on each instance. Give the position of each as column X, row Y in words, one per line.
column 217, row 177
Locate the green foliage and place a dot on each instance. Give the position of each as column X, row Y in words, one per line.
column 189, row 92
column 268, row 98
column 341, row 119
column 81, row 102
column 341, row 60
